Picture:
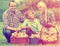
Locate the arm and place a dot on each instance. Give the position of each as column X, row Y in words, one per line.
column 52, row 20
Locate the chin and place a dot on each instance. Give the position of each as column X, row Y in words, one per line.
column 13, row 10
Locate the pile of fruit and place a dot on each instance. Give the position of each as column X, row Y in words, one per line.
column 49, row 38
column 19, row 35
column 35, row 36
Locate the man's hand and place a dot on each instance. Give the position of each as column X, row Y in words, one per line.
column 19, row 28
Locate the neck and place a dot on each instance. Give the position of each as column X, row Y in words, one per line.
column 31, row 19
column 12, row 11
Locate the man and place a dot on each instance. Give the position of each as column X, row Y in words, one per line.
column 11, row 19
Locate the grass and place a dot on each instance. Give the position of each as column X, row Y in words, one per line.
column 4, row 43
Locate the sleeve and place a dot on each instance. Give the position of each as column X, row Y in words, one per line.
column 5, row 20
column 51, row 18
column 42, row 21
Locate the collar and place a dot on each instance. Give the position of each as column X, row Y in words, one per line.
column 11, row 13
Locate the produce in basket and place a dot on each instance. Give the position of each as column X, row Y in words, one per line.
column 35, row 36
column 49, row 38
column 19, row 35
column 15, row 34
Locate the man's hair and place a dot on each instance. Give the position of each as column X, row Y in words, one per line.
column 11, row 1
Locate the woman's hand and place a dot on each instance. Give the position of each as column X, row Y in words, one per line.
column 51, row 25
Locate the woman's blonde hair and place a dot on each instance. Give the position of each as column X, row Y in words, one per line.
column 41, row 3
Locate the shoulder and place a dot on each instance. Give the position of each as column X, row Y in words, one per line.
column 36, row 20
column 49, row 12
column 5, row 13
column 18, row 11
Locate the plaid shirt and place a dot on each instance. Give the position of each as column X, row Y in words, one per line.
column 11, row 19
column 50, row 18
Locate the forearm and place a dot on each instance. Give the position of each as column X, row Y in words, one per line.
column 11, row 28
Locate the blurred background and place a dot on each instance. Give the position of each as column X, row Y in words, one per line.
column 22, row 5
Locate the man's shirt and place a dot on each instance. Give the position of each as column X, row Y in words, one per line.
column 11, row 19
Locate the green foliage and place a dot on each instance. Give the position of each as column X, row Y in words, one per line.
column 3, row 7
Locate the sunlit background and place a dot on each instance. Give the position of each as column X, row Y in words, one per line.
column 53, row 5
column 22, row 5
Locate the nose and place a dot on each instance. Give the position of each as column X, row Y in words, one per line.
column 13, row 7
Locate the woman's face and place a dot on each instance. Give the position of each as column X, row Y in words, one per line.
column 42, row 9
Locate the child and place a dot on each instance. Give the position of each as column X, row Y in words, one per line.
column 31, row 24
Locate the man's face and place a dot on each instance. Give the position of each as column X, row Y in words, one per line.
column 12, row 6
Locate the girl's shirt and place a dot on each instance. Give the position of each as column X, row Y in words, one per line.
column 35, row 25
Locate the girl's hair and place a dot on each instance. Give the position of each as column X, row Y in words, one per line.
column 41, row 3
column 27, row 12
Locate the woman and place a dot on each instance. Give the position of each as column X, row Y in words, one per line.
column 46, row 19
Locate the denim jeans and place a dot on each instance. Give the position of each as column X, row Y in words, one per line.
column 7, row 34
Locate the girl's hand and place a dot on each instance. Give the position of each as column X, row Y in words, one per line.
column 28, row 27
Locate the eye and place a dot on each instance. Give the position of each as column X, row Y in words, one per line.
column 13, row 6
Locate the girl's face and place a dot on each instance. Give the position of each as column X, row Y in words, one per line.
column 30, row 14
